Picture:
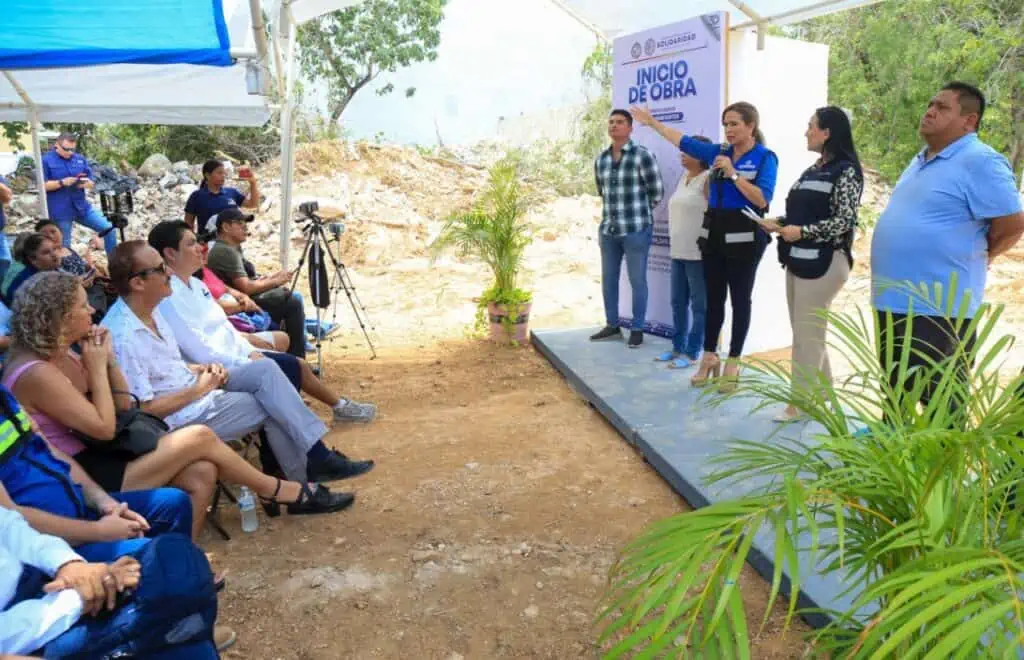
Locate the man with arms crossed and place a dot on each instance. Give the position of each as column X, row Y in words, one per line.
column 953, row 211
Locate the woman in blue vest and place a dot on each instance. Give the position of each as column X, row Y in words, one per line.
column 731, row 243
column 817, row 241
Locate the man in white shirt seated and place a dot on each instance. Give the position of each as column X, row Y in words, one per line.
column 205, row 335
column 232, row 402
column 30, row 617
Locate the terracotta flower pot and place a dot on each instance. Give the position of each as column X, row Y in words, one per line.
column 507, row 331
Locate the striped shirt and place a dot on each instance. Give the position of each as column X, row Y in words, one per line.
column 630, row 189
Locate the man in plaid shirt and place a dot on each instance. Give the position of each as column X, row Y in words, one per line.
column 629, row 183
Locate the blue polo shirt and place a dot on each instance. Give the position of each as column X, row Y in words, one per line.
column 936, row 226
column 203, row 203
column 66, row 203
column 759, row 165
column 3, row 218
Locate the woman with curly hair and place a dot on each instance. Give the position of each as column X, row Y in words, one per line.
column 65, row 394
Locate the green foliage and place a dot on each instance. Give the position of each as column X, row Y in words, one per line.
column 349, row 48
column 887, row 60
column 495, row 232
column 919, row 514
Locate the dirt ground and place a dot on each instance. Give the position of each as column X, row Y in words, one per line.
column 498, row 504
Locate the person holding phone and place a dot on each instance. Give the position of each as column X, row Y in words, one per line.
column 816, row 246
column 270, row 293
column 731, row 242
column 213, row 196
column 68, row 177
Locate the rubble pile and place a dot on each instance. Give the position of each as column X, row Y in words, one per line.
column 392, row 200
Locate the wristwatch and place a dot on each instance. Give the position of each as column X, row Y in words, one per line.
column 735, row 177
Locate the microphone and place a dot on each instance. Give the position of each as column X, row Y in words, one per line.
column 716, row 172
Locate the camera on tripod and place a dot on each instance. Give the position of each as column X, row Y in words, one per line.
column 117, row 206
column 311, row 209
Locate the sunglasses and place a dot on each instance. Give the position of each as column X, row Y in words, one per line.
column 162, row 269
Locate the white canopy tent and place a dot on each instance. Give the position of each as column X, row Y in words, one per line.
column 142, row 93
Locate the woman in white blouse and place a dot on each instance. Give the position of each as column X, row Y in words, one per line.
column 685, row 215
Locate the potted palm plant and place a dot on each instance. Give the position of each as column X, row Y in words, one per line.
column 495, row 232
column 919, row 513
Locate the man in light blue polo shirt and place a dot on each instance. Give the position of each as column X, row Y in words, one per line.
column 953, row 211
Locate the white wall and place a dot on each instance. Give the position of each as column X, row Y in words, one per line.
column 787, row 81
column 497, row 58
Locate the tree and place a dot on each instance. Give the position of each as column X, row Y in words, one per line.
column 349, row 48
column 886, row 75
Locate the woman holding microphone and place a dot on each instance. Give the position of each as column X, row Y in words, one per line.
column 732, row 241
column 817, row 240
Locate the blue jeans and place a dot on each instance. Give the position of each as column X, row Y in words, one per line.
column 5, row 255
column 688, row 295
column 635, row 247
column 166, row 509
column 93, row 220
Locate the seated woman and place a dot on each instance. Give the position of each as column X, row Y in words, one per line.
column 66, row 394
column 16, row 266
column 91, row 274
column 38, row 254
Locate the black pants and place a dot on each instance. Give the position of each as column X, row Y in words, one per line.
column 286, row 309
column 732, row 276
column 931, row 339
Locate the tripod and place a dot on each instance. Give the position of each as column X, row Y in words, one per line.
column 317, row 245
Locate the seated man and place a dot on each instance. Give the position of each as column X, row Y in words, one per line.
column 231, row 402
column 205, row 335
column 270, row 293
column 51, row 597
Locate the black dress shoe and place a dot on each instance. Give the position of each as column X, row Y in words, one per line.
column 609, row 332
column 336, row 466
column 636, row 337
column 321, row 500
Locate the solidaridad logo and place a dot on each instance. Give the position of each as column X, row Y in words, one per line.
column 650, row 46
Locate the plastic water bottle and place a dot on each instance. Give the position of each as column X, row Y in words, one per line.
column 247, row 507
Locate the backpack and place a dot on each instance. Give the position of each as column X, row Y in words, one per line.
column 175, row 603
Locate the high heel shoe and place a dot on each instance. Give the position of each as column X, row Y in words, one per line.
column 310, row 501
column 730, row 377
column 710, row 367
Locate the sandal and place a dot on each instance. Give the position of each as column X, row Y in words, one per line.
column 681, row 362
column 710, row 368
column 310, row 502
column 667, row 356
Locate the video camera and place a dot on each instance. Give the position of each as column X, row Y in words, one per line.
column 310, row 209
column 117, row 206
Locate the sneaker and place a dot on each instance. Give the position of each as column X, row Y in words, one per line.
column 336, row 466
column 352, row 411
column 609, row 332
column 636, row 337
column 223, row 637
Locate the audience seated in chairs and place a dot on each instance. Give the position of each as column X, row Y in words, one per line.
column 232, row 402
column 205, row 335
column 242, row 311
column 55, row 603
column 38, row 254
column 94, row 277
column 271, row 292
column 70, row 396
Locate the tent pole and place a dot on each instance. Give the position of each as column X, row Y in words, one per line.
column 37, row 151
column 287, row 135
column 37, row 154
column 755, row 18
column 582, row 21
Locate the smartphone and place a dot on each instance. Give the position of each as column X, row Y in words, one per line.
column 244, row 172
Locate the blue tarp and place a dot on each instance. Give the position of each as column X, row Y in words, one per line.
column 45, row 34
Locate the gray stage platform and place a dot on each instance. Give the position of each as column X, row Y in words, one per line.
column 656, row 410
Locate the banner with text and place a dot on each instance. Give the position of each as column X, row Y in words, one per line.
column 678, row 72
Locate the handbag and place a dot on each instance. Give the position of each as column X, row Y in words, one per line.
column 136, row 432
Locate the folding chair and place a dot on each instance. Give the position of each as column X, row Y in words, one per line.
column 241, row 447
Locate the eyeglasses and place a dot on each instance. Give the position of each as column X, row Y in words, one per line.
column 162, row 269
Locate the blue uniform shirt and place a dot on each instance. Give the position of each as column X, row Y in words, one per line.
column 3, row 218
column 66, row 203
column 203, row 203
column 936, row 226
column 759, row 164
